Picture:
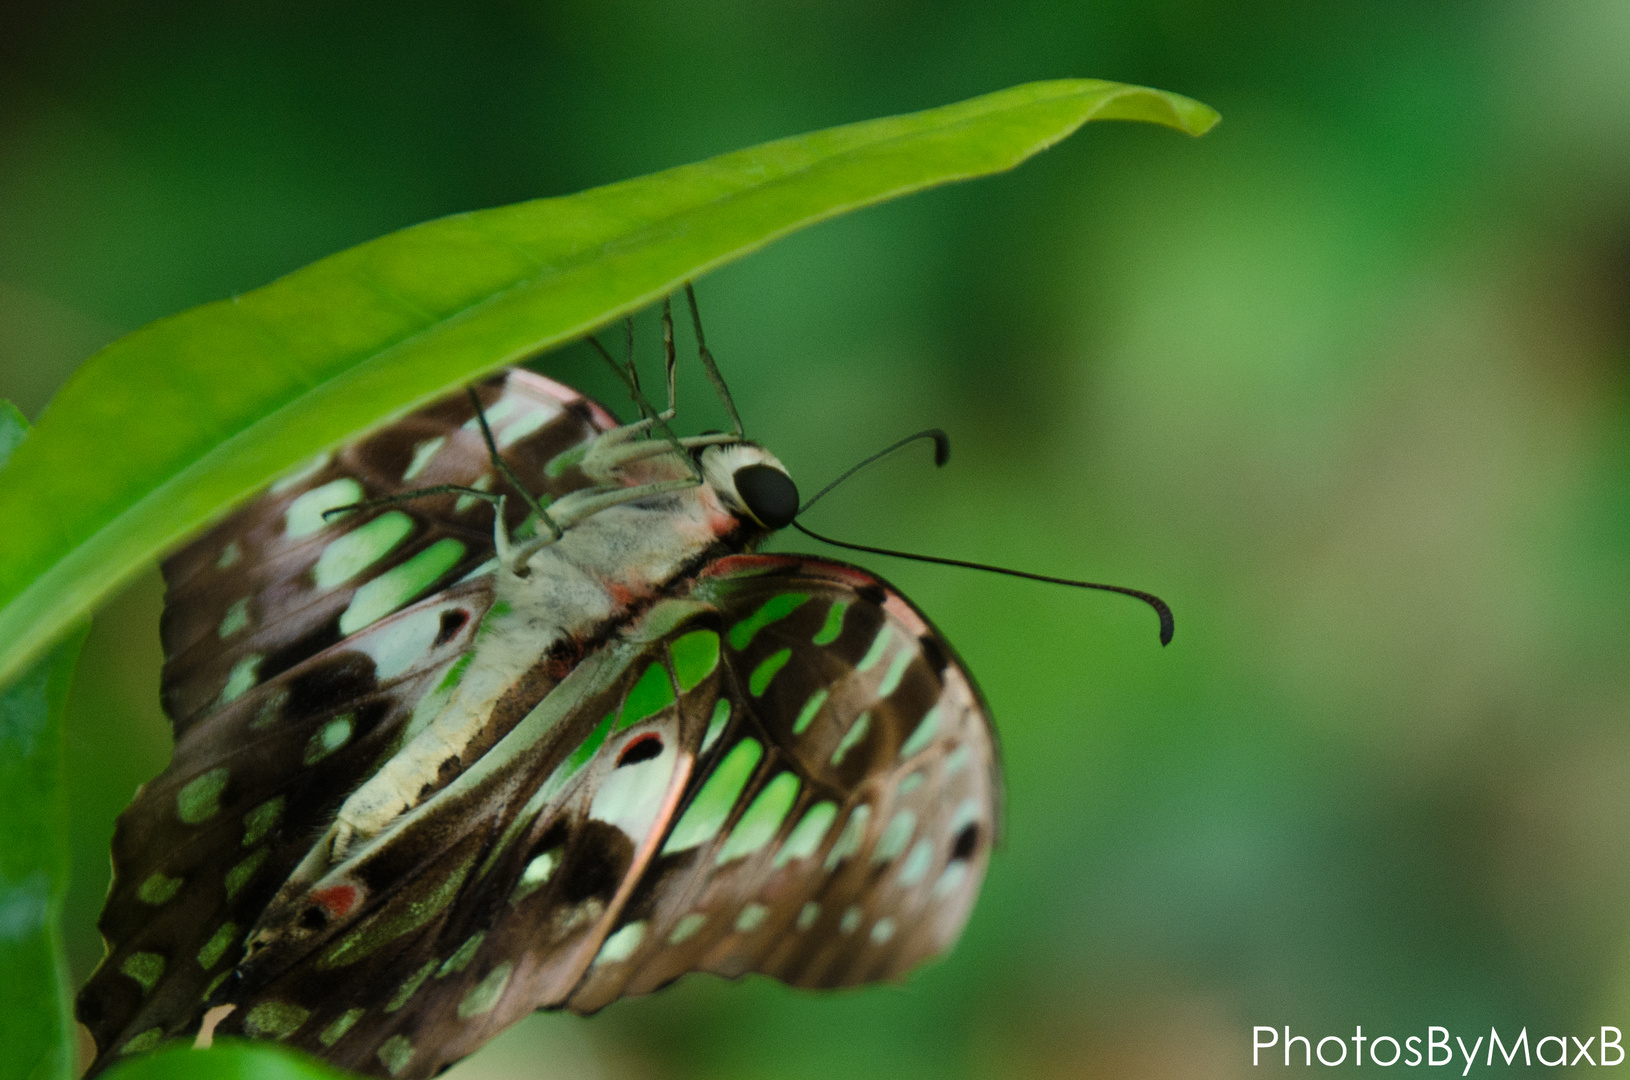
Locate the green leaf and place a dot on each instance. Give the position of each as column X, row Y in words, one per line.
column 36, row 1027
column 228, row 1059
column 164, row 430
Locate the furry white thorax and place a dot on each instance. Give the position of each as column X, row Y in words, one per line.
column 572, row 587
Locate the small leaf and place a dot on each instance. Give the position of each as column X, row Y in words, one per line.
column 228, row 1059
column 164, row 430
column 36, row 1027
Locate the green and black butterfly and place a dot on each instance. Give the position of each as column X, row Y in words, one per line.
column 435, row 770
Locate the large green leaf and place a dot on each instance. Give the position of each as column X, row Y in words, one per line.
column 36, row 1029
column 167, row 428
column 226, row 1060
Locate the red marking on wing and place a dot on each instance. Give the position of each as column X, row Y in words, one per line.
column 340, row 900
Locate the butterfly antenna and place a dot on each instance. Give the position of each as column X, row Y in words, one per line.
column 708, row 365
column 1167, row 626
column 942, row 454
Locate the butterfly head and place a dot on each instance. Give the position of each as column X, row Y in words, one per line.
column 752, row 483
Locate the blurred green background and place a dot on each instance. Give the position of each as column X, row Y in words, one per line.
column 1345, row 381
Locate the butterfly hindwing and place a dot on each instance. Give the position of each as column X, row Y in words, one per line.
column 668, row 808
column 839, row 826
column 204, row 846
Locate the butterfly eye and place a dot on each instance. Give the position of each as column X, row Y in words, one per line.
column 768, row 493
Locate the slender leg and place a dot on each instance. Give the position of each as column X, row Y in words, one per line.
column 645, row 409
column 628, row 364
column 409, row 496
column 508, row 473
column 708, row 365
column 668, row 352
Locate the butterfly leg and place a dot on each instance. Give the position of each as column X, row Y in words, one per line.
column 708, row 365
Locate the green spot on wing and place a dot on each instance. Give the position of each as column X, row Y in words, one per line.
column 462, row 957
column 409, row 987
column 715, row 724
column 880, row 645
column 854, row 831
column 924, row 734
column 400, row 584
column 695, row 655
column 200, row 799
column 216, row 946
column 147, row 968
column 587, row 748
column 774, row 609
column 896, row 835
column 241, row 679
column 329, row 738
column 239, row 875
column 259, row 821
column 896, row 672
column 334, row 1032
column 158, row 889
column 806, row 715
column 916, row 864
column 422, row 454
column 621, row 945
column 829, row 631
column 852, row 737
column 751, row 918
column 536, row 875
column 807, row 834
column 686, row 928
column 759, row 681
column 274, row 1019
column 711, row 807
column 485, row 994
column 762, row 820
column 395, row 1053
column 305, row 514
column 351, row 554
column 237, row 617
column 650, row 695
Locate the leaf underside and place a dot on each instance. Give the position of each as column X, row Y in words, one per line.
column 201, row 409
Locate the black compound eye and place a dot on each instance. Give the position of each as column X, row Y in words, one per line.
column 769, row 494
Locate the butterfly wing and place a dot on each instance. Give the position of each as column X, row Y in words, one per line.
column 276, row 583
column 289, row 681
column 675, row 804
column 854, row 846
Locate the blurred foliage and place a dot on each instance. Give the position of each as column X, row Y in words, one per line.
column 1354, row 400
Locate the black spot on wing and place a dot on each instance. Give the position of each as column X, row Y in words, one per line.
column 967, row 842
column 452, row 621
column 301, row 649
column 595, row 863
column 345, row 677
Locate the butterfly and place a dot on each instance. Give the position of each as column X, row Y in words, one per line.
column 547, row 737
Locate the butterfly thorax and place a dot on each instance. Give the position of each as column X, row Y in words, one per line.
column 546, row 615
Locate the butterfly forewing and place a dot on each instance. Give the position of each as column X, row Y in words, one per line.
column 281, row 708
column 277, row 582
